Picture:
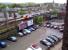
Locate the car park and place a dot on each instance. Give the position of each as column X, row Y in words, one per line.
column 50, row 40
column 3, row 44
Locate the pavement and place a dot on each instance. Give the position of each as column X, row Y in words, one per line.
column 57, row 47
column 26, row 41
column 34, row 37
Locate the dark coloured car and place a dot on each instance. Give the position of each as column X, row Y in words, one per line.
column 35, row 26
column 50, row 41
column 3, row 44
column 56, row 37
column 31, row 29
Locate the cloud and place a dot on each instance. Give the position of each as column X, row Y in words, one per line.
column 36, row 1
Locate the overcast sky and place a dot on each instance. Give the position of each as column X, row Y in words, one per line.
column 35, row 1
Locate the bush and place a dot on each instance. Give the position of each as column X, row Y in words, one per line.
column 21, row 12
column 38, row 20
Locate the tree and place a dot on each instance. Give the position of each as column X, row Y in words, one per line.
column 2, row 6
column 38, row 20
column 21, row 12
column 13, row 5
column 65, row 34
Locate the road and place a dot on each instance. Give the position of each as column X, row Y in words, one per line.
column 34, row 37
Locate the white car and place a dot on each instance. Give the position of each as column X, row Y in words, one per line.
column 48, row 25
column 34, row 47
column 13, row 38
column 61, row 27
column 55, row 27
column 20, row 34
column 27, row 31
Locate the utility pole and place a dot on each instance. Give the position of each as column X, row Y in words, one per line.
column 6, row 19
column 65, row 34
column 53, row 4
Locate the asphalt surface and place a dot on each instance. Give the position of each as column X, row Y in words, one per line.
column 34, row 37
column 57, row 47
column 26, row 41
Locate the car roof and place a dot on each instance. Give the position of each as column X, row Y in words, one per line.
column 50, row 40
column 47, row 42
column 54, row 38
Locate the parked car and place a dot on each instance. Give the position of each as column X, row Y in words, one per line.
column 34, row 47
column 3, row 44
column 26, row 31
column 55, row 27
column 56, row 37
column 62, row 24
column 53, row 38
column 12, row 38
column 61, row 27
column 35, row 26
column 50, row 41
column 20, row 34
column 46, row 43
column 51, row 26
column 31, row 29
column 61, row 30
column 48, row 24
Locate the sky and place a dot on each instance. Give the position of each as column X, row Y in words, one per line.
column 35, row 1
